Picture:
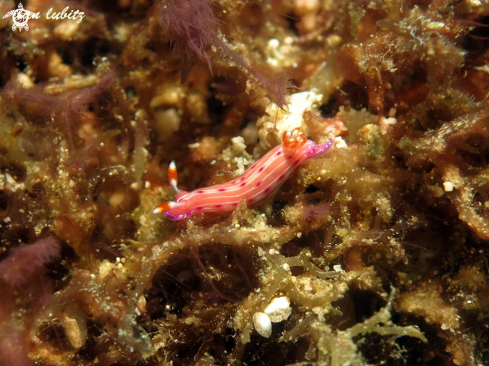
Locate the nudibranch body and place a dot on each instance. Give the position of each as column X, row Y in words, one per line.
column 256, row 183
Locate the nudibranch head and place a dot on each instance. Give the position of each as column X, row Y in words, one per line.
column 294, row 139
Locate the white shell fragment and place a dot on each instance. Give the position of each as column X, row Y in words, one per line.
column 448, row 186
column 279, row 309
column 262, row 324
column 337, row 268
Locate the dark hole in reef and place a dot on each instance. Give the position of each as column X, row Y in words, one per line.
column 311, row 189
column 59, row 269
column 425, row 243
column 297, row 270
column 292, row 19
column 291, row 249
column 422, row 166
column 96, row 188
column 312, row 240
column 101, row 107
column 378, row 350
column 248, row 118
column 478, row 202
column 352, row 95
column 93, row 47
column 436, row 117
column 15, row 234
column 272, row 352
column 473, row 257
column 215, row 272
column 477, row 160
column 366, row 303
column 330, row 109
column 186, row 354
column 150, row 326
column 131, row 92
column 15, row 171
column 335, row 240
column 37, row 192
column 222, row 345
column 54, row 334
column 224, row 86
column 93, row 347
column 477, row 39
column 153, row 45
column 216, row 111
column 296, row 351
column 472, row 320
column 21, row 65
column 277, row 218
column 432, row 353
column 66, row 54
column 107, row 6
column 150, row 361
column 475, row 150
column 4, row 198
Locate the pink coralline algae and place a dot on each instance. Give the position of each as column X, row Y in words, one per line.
column 28, row 260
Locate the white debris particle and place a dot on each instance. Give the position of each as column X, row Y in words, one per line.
column 339, row 143
column 288, row 40
column 262, row 324
column 337, row 268
column 386, row 123
column 279, row 309
column 298, row 104
column 448, row 186
column 73, row 332
column 237, row 153
column 141, row 304
column 273, row 43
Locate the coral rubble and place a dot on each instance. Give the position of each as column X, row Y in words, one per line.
column 374, row 253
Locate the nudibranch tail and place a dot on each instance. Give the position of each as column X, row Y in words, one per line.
column 173, row 210
column 165, row 206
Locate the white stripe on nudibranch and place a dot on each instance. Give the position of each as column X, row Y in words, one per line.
column 258, row 181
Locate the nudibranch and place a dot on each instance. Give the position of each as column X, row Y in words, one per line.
column 256, row 183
